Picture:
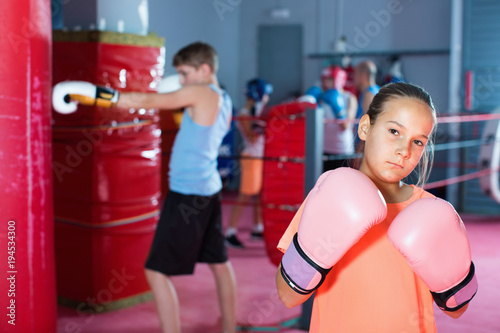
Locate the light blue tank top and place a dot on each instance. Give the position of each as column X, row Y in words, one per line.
column 374, row 90
column 193, row 162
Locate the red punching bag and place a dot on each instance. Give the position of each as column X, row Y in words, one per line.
column 27, row 274
column 106, row 172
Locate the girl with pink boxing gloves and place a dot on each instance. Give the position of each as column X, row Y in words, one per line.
column 377, row 251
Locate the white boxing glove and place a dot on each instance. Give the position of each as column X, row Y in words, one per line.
column 67, row 94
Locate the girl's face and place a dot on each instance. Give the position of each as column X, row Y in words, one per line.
column 395, row 143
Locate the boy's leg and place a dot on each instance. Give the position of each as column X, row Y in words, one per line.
column 167, row 303
column 257, row 218
column 226, row 292
column 258, row 226
column 237, row 210
column 232, row 229
column 248, row 183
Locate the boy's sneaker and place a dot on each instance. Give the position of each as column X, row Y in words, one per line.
column 233, row 241
column 257, row 235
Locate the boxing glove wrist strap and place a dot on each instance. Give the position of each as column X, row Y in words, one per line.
column 299, row 271
column 456, row 297
column 104, row 97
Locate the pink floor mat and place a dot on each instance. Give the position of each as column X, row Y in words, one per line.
column 259, row 308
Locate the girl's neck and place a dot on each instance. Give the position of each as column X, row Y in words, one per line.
column 395, row 193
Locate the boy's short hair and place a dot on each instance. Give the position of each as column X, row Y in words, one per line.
column 195, row 55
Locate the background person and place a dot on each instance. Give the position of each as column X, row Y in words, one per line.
column 251, row 164
column 340, row 105
column 364, row 79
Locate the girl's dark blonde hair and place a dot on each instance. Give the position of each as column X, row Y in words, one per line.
column 407, row 90
column 195, row 55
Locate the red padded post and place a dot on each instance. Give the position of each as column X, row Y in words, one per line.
column 284, row 170
column 27, row 272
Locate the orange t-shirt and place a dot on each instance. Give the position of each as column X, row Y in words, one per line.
column 372, row 288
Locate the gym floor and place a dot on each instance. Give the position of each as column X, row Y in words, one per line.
column 260, row 310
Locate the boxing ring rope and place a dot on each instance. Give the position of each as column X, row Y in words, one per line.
column 459, row 179
column 444, row 118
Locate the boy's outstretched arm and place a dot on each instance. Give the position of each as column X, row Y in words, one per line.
column 67, row 95
column 181, row 98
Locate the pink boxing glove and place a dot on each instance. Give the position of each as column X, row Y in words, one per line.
column 339, row 210
column 431, row 236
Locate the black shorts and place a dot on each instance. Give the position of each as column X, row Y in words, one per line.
column 189, row 231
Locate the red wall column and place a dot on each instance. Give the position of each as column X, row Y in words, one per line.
column 27, row 273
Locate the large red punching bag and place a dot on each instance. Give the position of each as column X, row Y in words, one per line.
column 27, row 273
column 106, row 172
